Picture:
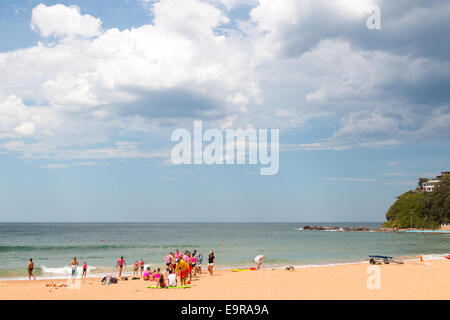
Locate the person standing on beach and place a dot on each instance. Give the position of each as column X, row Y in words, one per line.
column 141, row 264
column 187, row 258
column 177, row 254
column 211, row 261
column 120, row 264
column 74, row 265
column 173, row 262
column 136, row 268
column 83, row 275
column 194, row 264
column 30, row 269
column 259, row 261
column 183, row 269
column 168, row 260
column 200, row 260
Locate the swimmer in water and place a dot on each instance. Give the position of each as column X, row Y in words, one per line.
column 30, row 269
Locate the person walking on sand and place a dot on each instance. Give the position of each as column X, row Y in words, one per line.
column 211, row 261
column 30, row 269
column 120, row 264
column 141, row 265
column 74, row 265
column 259, row 261
column 83, row 275
column 136, row 268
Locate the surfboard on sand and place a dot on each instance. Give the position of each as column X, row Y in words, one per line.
column 246, row 269
column 177, row 287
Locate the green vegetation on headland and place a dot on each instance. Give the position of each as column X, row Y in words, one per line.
column 419, row 209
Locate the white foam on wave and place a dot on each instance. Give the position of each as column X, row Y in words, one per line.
column 67, row 270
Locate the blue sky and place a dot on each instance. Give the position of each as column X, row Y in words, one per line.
column 90, row 92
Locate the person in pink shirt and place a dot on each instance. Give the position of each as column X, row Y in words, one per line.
column 194, row 263
column 188, row 259
column 147, row 274
column 141, row 264
column 135, row 268
column 83, row 275
column 177, row 254
column 120, row 264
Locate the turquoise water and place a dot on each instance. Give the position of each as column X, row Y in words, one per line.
column 52, row 245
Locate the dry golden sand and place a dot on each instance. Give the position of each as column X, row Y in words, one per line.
column 412, row 280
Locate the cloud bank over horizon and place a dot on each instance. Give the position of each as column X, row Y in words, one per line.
column 85, row 91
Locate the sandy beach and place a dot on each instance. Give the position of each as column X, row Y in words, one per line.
column 412, row 280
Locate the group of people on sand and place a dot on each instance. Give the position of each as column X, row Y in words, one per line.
column 177, row 264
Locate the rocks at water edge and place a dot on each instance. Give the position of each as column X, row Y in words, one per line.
column 360, row 229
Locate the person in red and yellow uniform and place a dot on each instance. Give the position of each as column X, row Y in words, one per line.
column 183, row 269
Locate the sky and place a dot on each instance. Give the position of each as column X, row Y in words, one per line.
column 91, row 91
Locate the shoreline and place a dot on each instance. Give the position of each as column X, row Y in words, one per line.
column 426, row 257
column 412, row 280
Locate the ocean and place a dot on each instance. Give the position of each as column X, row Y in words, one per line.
column 53, row 245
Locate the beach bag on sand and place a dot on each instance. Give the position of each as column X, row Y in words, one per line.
column 109, row 279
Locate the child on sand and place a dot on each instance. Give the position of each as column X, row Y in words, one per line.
column 161, row 283
column 83, row 275
column 147, row 274
column 135, row 268
column 259, row 261
column 141, row 264
column 154, row 275
column 172, row 279
column 158, row 274
column 30, row 269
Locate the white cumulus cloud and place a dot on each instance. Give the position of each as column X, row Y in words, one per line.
column 60, row 21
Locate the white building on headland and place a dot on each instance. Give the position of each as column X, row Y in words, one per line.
column 429, row 185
